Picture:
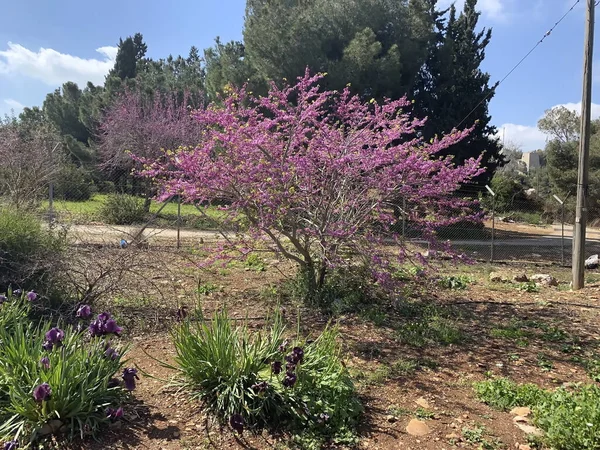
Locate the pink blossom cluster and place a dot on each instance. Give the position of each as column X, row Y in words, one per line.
column 317, row 173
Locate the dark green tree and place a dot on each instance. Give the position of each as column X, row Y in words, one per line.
column 453, row 91
column 226, row 64
column 377, row 46
column 130, row 51
column 62, row 109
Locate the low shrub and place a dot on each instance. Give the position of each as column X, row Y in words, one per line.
column 346, row 290
column 57, row 379
column 29, row 254
column 123, row 209
column 504, row 394
column 256, row 380
column 73, row 183
column 428, row 324
column 569, row 417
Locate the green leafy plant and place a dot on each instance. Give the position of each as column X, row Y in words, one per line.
column 255, row 262
column 251, row 380
column 529, row 286
column 207, row 288
column 476, row 435
column 123, row 209
column 422, row 413
column 53, row 379
column 544, row 363
column 575, row 405
column 458, row 282
column 504, row 394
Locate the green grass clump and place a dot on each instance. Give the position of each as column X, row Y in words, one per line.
column 257, row 379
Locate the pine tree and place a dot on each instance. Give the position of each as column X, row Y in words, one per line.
column 452, row 86
column 131, row 50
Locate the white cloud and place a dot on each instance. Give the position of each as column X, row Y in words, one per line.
column 492, row 9
column 16, row 106
column 53, row 67
column 529, row 137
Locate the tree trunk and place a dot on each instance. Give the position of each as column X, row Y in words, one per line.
column 321, row 275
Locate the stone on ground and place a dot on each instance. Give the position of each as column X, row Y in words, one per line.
column 544, row 279
column 592, row 262
column 520, row 411
column 417, row 427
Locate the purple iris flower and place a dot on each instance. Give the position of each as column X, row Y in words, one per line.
column 237, row 423
column 283, row 346
column 298, row 353
column 42, row 392
column 84, row 312
column 3, row 298
column 182, row 313
column 111, row 353
column 114, row 414
column 55, row 336
column 323, row 417
column 290, row 379
column 296, row 356
column 96, row 328
column 45, row 362
column 31, row 296
column 104, row 325
column 260, row 387
column 129, row 377
column 111, row 327
column 276, row 367
column 11, row 445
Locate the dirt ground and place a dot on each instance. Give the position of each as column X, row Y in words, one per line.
column 538, row 337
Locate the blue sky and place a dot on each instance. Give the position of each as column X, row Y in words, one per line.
column 43, row 44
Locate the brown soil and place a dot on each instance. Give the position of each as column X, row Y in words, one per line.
column 162, row 418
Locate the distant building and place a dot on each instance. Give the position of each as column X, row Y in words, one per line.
column 532, row 160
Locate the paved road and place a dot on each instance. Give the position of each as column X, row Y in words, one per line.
column 107, row 233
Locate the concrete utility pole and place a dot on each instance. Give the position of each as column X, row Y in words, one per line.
column 584, row 150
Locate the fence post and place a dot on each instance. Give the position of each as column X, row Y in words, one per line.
column 562, row 234
column 178, row 220
column 493, row 221
column 403, row 219
column 562, row 227
column 51, row 191
column 50, row 202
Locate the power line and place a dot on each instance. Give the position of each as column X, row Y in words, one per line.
column 521, row 61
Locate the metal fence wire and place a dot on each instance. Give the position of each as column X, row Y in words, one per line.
column 526, row 228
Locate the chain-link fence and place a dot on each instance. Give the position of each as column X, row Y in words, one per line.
column 532, row 227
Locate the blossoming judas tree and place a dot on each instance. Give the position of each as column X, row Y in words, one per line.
column 143, row 124
column 316, row 173
column 30, row 158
